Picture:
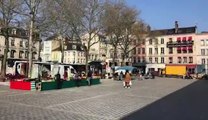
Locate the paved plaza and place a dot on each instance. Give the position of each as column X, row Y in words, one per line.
column 157, row 99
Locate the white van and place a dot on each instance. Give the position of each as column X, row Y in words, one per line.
column 42, row 68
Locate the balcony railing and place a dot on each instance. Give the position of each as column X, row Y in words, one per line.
column 179, row 44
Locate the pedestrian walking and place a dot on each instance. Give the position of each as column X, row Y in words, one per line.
column 127, row 80
column 89, row 77
column 77, row 79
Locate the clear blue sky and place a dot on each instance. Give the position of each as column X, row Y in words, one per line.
column 161, row 14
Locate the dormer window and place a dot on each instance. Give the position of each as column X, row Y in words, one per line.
column 14, row 31
column 74, row 47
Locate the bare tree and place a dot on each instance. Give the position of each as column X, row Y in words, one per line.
column 30, row 9
column 8, row 17
column 57, row 20
column 113, row 28
column 91, row 24
column 135, row 33
column 83, row 19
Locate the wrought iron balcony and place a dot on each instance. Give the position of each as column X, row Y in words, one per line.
column 180, row 44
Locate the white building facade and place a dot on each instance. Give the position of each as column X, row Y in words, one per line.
column 202, row 50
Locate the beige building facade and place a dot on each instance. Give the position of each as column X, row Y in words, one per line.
column 18, row 47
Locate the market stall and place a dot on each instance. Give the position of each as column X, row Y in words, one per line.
column 44, row 77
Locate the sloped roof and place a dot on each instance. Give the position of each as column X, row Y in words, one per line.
column 184, row 30
column 70, row 46
column 52, row 37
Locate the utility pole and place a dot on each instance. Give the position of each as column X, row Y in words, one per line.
column 32, row 19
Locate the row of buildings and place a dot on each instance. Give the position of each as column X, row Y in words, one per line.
column 175, row 46
column 18, row 46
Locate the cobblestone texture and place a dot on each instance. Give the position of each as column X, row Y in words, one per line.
column 106, row 101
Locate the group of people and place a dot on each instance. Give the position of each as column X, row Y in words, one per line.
column 127, row 79
column 78, row 77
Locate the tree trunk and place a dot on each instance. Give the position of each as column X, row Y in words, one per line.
column 32, row 19
column 30, row 49
column 114, row 58
column 86, row 61
column 62, row 51
column 39, row 49
column 4, row 61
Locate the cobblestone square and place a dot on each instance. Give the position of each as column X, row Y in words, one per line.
column 108, row 101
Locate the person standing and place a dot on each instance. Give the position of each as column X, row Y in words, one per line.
column 121, row 76
column 89, row 77
column 127, row 79
column 77, row 79
column 58, row 80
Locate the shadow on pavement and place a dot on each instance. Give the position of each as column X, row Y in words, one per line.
column 188, row 103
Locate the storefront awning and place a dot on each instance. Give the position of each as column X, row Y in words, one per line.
column 190, row 66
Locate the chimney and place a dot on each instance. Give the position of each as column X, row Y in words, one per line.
column 148, row 28
column 176, row 26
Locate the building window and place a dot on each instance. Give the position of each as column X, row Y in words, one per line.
column 143, row 59
column 170, row 40
column 156, row 60
column 14, row 31
column 134, row 51
column 26, row 55
column 184, row 49
column 139, row 51
column 203, row 61
column 156, row 41
column 202, row 51
column 171, row 50
column 162, row 50
column 150, row 59
column 207, row 52
column 21, row 54
column 150, row 51
column 12, row 53
column 190, row 49
column 138, row 60
column 74, row 47
column 202, row 42
column 162, row 60
column 26, row 44
column 150, row 41
column 190, row 59
column 21, row 43
column 156, row 51
column 143, row 50
column 179, row 50
column 206, row 42
column 170, row 60
column 184, row 59
column 162, row 40
column 12, row 42
column 179, row 59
